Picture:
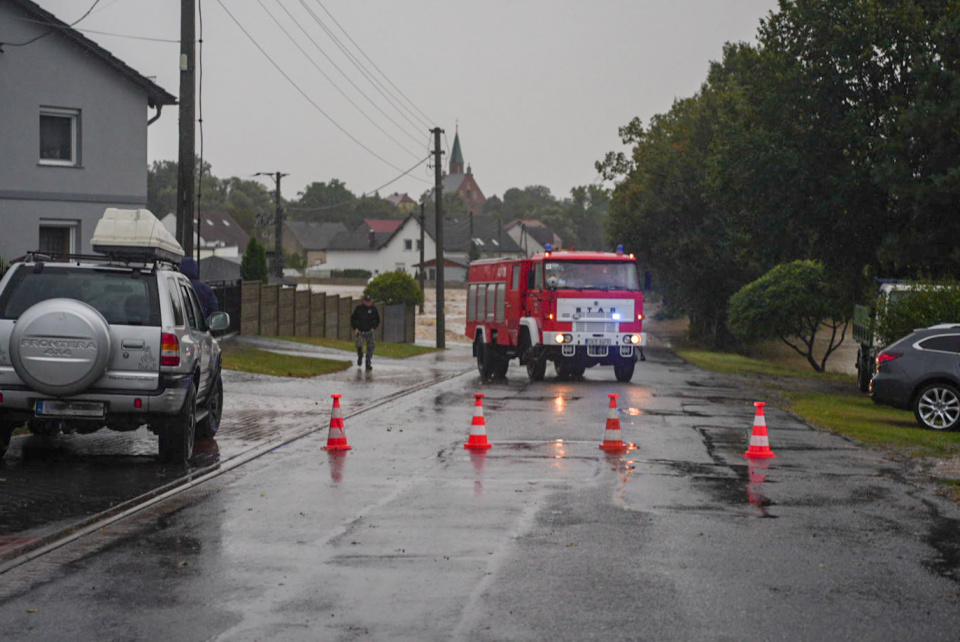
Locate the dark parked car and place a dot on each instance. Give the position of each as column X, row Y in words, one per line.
column 921, row 372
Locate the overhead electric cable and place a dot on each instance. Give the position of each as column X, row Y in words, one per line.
column 343, row 73
column 47, row 33
column 428, row 122
column 99, row 33
column 330, row 80
column 359, row 65
column 303, row 93
column 373, row 191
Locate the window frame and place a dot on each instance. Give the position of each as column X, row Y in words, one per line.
column 73, row 225
column 73, row 115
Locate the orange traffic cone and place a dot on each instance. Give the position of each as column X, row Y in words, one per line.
column 759, row 441
column 478, row 427
column 337, row 439
column 611, row 437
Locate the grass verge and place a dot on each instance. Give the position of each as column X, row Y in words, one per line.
column 730, row 363
column 826, row 401
column 256, row 361
column 384, row 349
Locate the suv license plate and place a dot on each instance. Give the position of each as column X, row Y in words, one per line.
column 599, row 342
column 56, row 408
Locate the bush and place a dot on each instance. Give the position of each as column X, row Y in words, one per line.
column 353, row 273
column 929, row 304
column 790, row 302
column 395, row 287
column 253, row 266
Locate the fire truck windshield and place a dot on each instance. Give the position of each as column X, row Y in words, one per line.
column 591, row 275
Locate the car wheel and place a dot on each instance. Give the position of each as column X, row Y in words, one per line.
column 176, row 439
column 208, row 426
column 937, row 406
column 536, row 366
column 623, row 370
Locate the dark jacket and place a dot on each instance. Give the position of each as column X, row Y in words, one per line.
column 365, row 318
column 208, row 299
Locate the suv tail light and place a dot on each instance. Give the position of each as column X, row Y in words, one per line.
column 169, row 350
column 884, row 357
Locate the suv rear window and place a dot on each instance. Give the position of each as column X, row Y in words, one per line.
column 121, row 296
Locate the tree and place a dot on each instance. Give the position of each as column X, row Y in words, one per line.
column 294, row 260
column 253, row 266
column 329, row 202
column 395, row 287
column 791, row 302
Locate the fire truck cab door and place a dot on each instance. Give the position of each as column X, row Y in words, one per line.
column 513, row 302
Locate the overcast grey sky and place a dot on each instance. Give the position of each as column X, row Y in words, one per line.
column 539, row 87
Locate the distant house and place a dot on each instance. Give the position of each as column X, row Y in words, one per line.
column 380, row 252
column 310, row 240
column 402, row 202
column 73, row 130
column 220, row 234
column 380, row 225
column 532, row 236
column 220, row 268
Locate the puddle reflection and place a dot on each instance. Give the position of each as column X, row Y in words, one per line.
column 756, row 477
column 478, row 458
column 338, row 462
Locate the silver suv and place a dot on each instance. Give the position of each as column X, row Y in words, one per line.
column 108, row 342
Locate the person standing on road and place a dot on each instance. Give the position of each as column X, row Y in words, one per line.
column 364, row 320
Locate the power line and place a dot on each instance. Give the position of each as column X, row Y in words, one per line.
column 303, row 93
column 330, row 80
column 356, row 63
column 99, row 33
column 373, row 191
column 343, row 73
column 47, row 33
column 428, row 120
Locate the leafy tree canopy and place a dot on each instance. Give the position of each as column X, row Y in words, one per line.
column 395, row 287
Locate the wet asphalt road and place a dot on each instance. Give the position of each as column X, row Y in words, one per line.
column 409, row 537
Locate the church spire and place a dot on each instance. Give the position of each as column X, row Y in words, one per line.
column 456, row 157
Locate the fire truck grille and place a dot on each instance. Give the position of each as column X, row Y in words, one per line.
column 586, row 326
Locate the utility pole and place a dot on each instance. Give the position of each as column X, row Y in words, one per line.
column 438, row 200
column 277, row 224
column 423, row 267
column 186, row 165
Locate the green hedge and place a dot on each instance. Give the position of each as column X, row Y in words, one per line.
column 929, row 304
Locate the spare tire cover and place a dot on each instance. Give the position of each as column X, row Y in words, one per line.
column 60, row 346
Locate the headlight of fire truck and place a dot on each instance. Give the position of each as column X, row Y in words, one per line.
column 564, row 338
column 631, row 338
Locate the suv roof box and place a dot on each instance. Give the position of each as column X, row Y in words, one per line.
column 135, row 234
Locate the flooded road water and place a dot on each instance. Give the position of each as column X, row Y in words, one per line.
column 409, row 536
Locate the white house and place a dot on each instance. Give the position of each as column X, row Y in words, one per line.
column 380, row 252
column 220, row 234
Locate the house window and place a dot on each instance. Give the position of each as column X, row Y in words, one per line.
column 407, row 245
column 419, row 244
column 401, row 267
column 59, row 137
column 57, row 237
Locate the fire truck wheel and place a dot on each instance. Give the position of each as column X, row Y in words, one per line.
column 501, row 367
column 563, row 369
column 864, row 373
column 536, row 366
column 577, row 371
column 624, row 370
column 485, row 359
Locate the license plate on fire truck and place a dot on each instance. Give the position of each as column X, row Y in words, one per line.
column 599, row 342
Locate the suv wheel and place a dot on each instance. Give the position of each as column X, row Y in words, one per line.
column 937, row 406
column 208, row 426
column 176, row 438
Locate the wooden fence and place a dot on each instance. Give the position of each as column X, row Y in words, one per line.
column 273, row 310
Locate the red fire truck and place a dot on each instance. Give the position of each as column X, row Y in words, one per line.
column 577, row 309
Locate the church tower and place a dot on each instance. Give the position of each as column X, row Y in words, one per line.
column 456, row 157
